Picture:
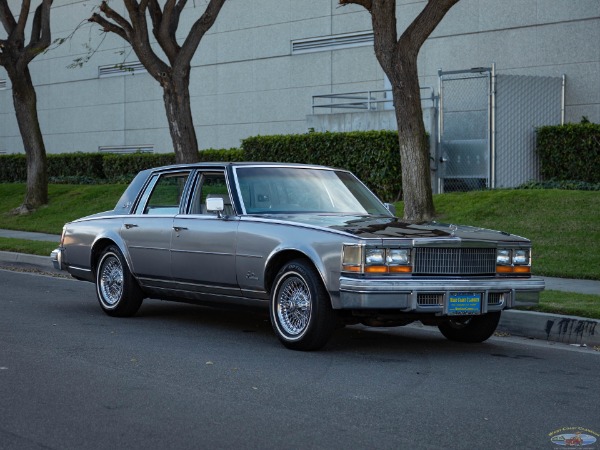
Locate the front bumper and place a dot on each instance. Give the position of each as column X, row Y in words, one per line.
column 57, row 259
column 429, row 295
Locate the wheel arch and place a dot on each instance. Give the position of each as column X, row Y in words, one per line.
column 283, row 256
column 101, row 244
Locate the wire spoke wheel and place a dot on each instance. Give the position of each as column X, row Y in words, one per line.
column 117, row 290
column 300, row 307
column 111, row 280
column 294, row 305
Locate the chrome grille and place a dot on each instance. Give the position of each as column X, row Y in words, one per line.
column 455, row 261
column 430, row 299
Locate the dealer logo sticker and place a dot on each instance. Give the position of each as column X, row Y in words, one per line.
column 574, row 437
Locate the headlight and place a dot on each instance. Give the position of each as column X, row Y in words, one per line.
column 400, row 256
column 503, row 257
column 510, row 261
column 371, row 260
column 375, row 256
column 520, row 257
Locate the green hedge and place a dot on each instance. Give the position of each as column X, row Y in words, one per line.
column 567, row 152
column 372, row 155
column 13, row 168
column 125, row 167
column 570, row 152
column 88, row 168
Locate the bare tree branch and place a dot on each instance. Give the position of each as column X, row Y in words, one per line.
column 165, row 33
column 419, row 30
column 6, row 17
column 156, row 15
column 367, row 4
column 19, row 31
column 383, row 17
column 108, row 26
column 200, row 27
column 117, row 18
column 40, row 31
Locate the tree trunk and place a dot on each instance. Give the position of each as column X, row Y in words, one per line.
column 25, row 101
column 176, row 95
column 414, row 154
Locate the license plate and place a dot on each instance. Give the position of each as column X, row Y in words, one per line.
column 464, row 304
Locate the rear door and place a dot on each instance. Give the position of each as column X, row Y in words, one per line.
column 147, row 233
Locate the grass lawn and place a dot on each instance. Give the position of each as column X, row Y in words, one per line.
column 569, row 303
column 67, row 202
column 42, row 248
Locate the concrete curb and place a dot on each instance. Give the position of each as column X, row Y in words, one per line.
column 551, row 327
column 530, row 324
column 39, row 262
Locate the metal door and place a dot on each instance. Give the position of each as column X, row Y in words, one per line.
column 464, row 140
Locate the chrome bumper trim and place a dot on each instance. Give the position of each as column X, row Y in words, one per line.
column 402, row 294
column 56, row 257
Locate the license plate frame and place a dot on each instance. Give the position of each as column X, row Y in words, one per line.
column 464, row 304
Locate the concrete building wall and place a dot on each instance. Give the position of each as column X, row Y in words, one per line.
column 247, row 81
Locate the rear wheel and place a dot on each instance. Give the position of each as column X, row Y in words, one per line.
column 118, row 293
column 300, row 308
column 470, row 329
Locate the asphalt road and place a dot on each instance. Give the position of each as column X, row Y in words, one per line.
column 180, row 376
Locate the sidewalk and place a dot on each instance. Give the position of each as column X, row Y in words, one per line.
column 535, row 325
column 29, row 236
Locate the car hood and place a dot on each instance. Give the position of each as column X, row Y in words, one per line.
column 382, row 227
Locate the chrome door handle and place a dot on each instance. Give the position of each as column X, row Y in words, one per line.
column 178, row 229
column 130, row 225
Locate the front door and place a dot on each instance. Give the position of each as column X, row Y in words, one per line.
column 203, row 242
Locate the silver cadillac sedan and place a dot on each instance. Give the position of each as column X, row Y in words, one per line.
column 311, row 243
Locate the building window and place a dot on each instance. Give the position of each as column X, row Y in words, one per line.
column 335, row 42
column 116, row 70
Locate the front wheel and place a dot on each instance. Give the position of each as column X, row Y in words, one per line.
column 470, row 329
column 118, row 292
column 300, row 308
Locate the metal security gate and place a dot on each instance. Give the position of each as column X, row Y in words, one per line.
column 487, row 127
column 465, row 142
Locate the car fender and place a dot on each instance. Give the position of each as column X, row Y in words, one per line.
column 104, row 239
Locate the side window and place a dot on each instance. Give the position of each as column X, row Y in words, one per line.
column 211, row 184
column 165, row 196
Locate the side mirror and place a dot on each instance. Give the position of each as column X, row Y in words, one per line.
column 215, row 204
column 390, row 207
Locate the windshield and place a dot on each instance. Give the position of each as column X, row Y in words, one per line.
column 279, row 190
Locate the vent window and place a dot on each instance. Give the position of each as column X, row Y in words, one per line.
column 336, row 42
column 116, row 70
